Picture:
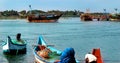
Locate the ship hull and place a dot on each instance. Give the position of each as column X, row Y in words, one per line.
column 43, row 19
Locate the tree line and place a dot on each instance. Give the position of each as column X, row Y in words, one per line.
column 24, row 13
column 13, row 14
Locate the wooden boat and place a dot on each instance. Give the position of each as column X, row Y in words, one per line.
column 86, row 17
column 48, row 18
column 97, row 53
column 14, row 47
column 53, row 57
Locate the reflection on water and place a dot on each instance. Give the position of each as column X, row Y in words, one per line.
column 70, row 32
column 15, row 58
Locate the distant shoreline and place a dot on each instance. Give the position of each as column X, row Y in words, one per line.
column 11, row 17
column 16, row 17
column 13, row 14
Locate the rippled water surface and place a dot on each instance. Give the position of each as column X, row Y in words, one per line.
column 68, row 32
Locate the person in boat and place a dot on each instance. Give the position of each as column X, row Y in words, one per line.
column 44, row 51
column 67, row 56
column 18, row 38
column 90, row 58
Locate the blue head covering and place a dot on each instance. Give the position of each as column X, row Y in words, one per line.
column 68, row 56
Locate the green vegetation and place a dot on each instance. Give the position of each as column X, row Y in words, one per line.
column 12, row 14
column 9, row 14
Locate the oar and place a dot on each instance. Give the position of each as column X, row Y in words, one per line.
column 47, row 45
column 50, row 45
column 34, row 45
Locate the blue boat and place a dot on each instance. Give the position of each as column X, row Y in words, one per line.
column 14, row 47
column 55, row 55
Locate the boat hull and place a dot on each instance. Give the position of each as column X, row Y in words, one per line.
column 43, row 19
column 10, row 48
column 14, row 51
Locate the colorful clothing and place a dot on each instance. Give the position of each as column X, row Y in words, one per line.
column 68, row 56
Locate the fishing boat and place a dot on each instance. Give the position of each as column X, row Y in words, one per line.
column 14, row 47
column 55, row 55
column 86, row 17
column 48, row 18
column 42, row 18
column 97, row 53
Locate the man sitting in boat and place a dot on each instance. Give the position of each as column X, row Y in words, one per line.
column 67, row 56
column 90, row 58
column 18, row 39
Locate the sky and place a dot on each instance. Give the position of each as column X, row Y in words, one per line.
column 63, row 5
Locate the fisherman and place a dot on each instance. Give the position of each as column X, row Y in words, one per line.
column 90, row 58
column 18, row 37
column 67, row 56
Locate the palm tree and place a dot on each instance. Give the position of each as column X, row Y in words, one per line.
column 104, row 10
column 106, row 15
column 116, row 10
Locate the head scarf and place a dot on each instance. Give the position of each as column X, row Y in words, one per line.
column 68, row 56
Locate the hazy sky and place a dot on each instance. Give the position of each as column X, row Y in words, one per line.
column 82, row 5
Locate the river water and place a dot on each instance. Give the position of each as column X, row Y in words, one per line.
column 68, row 32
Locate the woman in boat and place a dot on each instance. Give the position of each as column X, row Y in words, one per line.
column 90, row 58
column 67, row 56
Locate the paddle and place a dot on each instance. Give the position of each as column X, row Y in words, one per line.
column 50, row 45
column 37, row 45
